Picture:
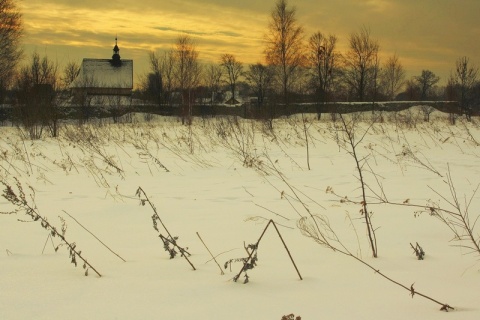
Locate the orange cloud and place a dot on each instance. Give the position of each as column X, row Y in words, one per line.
column 427, row 34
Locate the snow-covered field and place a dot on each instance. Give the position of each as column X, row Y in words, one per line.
column 225, row 179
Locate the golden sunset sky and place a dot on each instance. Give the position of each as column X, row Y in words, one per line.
column 425, row 34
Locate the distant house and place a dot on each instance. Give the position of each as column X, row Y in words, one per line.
column 104, row 82
column 229, row 100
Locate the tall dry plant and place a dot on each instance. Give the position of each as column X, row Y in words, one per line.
column 170, row 243
column 19, row 200
column 351, row 141
column 318, row 228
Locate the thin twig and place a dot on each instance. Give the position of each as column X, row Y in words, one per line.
column 318, row 235
column 53, row 245
column 277, row 214
column 218, row 255
column 221, row 271
column 250, row 254
column 94, row 236
column 28, row 158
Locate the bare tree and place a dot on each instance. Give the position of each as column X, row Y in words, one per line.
column 81, row 96
column 117, row 107
column 159, row 82
column 36, row 87
column 233, row 70
column 260, row 78
column 151, row 84
column 322, row 60
column 187, row 73
column 284, row 45
column 167, row 67
column 412, row 90
column 426, row 81
column 451, row 95
column 11, row 31
column 361, row 62
column 465, row 78
column 213, row 76
column 70, row 73
column 392, row 77
column 376, row 73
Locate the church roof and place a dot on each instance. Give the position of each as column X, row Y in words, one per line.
column 101, row 73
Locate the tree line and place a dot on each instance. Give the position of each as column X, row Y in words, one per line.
column 301, row 68
column 297, row 68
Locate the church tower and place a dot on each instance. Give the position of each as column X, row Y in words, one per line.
column 116, row 62
column 110, row 81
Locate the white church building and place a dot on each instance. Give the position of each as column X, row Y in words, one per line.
column 104, row 82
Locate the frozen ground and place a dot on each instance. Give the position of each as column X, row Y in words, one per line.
column 225, row 179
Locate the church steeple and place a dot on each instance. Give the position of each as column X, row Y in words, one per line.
column 116, row 55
